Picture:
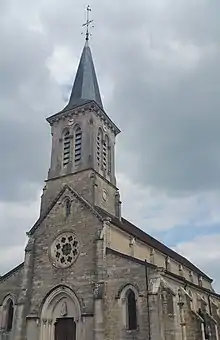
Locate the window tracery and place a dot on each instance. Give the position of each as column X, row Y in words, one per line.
column 65, row 250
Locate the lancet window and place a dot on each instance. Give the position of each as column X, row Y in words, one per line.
column 131, row 310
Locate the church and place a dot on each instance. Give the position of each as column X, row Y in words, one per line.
column 88, row 273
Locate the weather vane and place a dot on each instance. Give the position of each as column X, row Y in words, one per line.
column 88, row 22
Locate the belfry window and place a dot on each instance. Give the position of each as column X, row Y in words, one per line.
column 131, row 310
column 9, row 315
column 99, row 148
column 66, row 148
column 78, row 145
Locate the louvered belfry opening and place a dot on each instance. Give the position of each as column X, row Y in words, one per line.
column 104, row 151
column 99, row 148
column 66, row 148
column 78, row 145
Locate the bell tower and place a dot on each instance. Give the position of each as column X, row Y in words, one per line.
column 83, row 143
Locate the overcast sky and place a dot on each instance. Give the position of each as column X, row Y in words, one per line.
column 158, row 65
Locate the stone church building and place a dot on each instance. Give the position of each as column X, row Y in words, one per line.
column 88, row 273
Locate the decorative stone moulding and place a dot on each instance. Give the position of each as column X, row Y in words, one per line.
column 64, row 250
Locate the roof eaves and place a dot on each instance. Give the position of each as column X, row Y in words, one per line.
column 11, row 272
column 41, row 218
column 66, row 186
column 152, row 242
column 69, row 111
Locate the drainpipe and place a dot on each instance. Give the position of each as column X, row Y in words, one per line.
column 209, row 302
column 148, row 307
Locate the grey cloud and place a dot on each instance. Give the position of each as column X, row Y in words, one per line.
column 169, row 110
column 169, row 115
column 27, row 95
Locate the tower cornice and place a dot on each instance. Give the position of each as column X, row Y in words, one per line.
column 90, row 106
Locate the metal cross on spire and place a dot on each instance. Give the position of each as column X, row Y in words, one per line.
column 88, row 22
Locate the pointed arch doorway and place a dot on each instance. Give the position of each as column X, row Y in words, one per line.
column 61, row 316
column 65, row 329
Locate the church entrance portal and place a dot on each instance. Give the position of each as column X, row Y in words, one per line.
column 65, row 329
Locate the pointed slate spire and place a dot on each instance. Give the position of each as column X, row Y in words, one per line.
column 85, row 87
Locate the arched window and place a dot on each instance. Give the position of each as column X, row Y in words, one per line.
column 99, row 148
column 66, row 147
column 68, row 207
column 131, row 310
column 78, row 145
column 9, row 315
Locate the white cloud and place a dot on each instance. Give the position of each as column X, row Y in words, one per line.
column 154, row 210
column 204, row 251
column 10, row 257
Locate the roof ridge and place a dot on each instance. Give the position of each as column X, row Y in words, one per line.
column 153, row 242
column 12, row 271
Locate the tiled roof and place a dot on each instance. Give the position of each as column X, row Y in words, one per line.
column 131, row 229
column 85, row 87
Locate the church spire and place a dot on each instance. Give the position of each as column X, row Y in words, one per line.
column 85, row 87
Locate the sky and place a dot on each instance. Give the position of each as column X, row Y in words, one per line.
column 158, row 66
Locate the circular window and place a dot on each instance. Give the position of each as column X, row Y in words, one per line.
column 64, row 250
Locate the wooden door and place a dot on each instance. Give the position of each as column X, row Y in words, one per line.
column 65, row 329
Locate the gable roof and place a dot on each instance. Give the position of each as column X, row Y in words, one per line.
column 80, row 198
column 11, row 272
column 130, row 228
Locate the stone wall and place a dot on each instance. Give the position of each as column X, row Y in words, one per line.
column 81, row 275
column 10, row 284
column 121, row 272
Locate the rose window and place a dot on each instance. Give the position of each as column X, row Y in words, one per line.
column 64, row 250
